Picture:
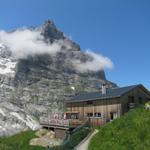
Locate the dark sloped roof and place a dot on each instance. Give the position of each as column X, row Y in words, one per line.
column 111, row 93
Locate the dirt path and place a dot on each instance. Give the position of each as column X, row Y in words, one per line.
column 84, row 144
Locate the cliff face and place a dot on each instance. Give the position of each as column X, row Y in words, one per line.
column 31, row 87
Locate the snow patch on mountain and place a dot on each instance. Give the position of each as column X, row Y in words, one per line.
column 7, row 62
column 7, row 66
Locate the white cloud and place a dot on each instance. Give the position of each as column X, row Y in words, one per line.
column 98, row 62
column 26, row 42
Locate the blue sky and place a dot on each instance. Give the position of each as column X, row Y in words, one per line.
column 119, row 29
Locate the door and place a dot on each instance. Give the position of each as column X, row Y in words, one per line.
column 113, row 115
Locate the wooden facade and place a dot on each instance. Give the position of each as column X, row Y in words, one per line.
column 100, row 111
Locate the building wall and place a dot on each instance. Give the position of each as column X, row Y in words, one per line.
column 105, row 107
column 140, row 97
column 59, row 133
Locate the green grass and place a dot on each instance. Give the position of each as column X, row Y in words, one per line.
column 19, row 142
column 130, row 132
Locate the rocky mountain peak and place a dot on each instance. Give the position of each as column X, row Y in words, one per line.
column 48, row 24
column 50, row 32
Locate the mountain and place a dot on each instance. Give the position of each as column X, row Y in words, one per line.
column 35, row 82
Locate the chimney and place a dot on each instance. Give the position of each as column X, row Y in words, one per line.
column 103, row 89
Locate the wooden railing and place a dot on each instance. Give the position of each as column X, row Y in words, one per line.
column 57, row 122
column 131, row 105
column 68, row 123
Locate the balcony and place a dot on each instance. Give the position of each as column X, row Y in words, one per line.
column 61, row 123
column 131, row 105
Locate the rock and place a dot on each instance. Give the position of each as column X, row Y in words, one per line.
column 50, row 135
column 13, row 120
column 46, row 138
column 41, row 132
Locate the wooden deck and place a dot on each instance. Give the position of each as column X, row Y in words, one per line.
column 61, row 123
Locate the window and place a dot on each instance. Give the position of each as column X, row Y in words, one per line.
column 89, row 114
column 89, row 102
column 140, row 100
column 98, row 115
column 131, row 99
column 72, row 116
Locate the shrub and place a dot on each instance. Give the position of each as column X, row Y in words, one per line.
column 75, row 138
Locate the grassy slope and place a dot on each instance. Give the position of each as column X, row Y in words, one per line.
column 19, row 142
column 130, row 132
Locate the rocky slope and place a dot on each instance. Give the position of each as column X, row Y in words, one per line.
column 39, row 84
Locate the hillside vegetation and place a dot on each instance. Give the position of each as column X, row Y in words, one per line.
column 130, row 132
column 19, row 141
column 75, row 138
